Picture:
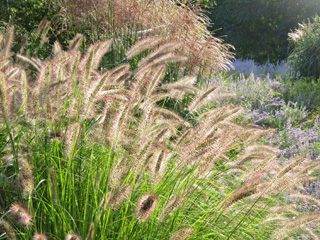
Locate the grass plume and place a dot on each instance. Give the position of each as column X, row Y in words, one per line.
column 168, row 20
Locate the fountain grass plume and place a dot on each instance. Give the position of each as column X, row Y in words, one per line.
column 146, row 205
column 25, row 177
column 72, row 236
column 39, row 236
column 21, row 214
column 8, row 229
column 182, row 234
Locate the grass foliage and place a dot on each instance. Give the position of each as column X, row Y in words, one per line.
column 92, row 154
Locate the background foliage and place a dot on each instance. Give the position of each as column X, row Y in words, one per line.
column 258, row 28
column 305, row 57
column 26, row 16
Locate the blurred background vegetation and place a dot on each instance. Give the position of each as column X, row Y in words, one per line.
column 26, row 17
column 257, row 28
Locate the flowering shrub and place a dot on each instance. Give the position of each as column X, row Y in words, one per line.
column 249, row 66
column 295, row 140
column 263, row 99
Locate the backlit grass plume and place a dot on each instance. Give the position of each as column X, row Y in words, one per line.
column 146, row 205
column 182, row 234
column 171, row 20
column 21, row 214
column 99, row 155
column 39, row 236
column 8, row 75
column 7, row 229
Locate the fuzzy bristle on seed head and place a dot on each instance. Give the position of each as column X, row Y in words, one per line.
column 91, row 232
column 7, row 229
column 21, row 214
column 116, row 197
column 72, row 137
column 39, row 236
column 25, row 177
column 118, row 173
column 182, row 234
column 295, row 225
column 3, row 96
column 146, row 205
column 73, row 236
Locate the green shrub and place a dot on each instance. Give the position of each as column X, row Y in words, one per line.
column 305, row 56
column 306, row 92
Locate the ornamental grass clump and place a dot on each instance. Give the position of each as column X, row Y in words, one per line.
column 170, row 20
column 304, row 59
column 109, row 161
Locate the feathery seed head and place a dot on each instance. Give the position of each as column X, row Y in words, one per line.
column 182, row 234
column 25, row 177
column 73, row 236
column 21, row 214
column 158, row 165
column 76, row 41
column 91, row 232
column 240, row 194
column 100, row 51
column 24, row 91
column 3, row 96
column 141, row 46
column 57, row 49
column 72, row 136
column 117, row 196
column 7, row 228
column 146, row 205
column 6, row 42
column 166, row 20
column 39, row 236
column 1, row 38
column 4, row 63
column 118, row 173
column 291, row 227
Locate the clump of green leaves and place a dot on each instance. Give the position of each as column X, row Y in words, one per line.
column 305, row 42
